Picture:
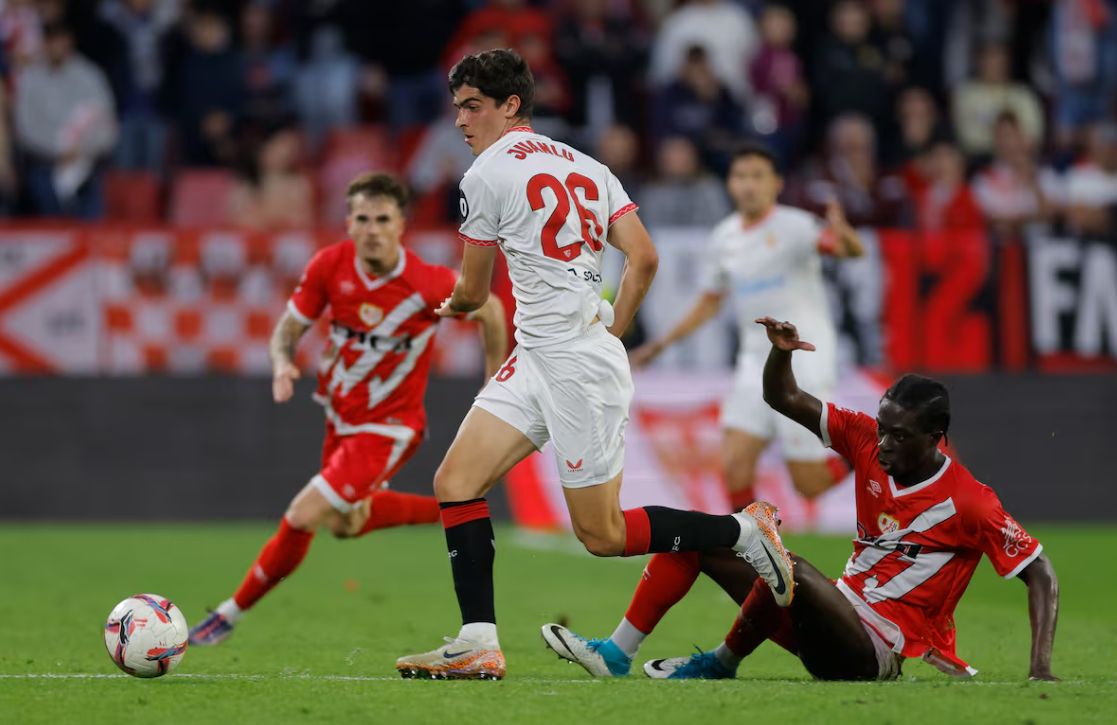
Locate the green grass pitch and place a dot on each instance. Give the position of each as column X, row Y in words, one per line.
column 321, row 647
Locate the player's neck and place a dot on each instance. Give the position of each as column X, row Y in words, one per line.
column 380, row 267
column 922, row 473
column 752, row 218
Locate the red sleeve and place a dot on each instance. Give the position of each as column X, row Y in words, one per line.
column 309, row 298
column 1009, row 547
column 847, row 431
column 438, row 284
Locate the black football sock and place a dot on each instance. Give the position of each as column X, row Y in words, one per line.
column 655, row 529
column 472, row 547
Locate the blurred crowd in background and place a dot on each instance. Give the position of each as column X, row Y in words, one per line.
column 924, row 114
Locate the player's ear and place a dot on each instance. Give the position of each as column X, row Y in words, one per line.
column 512, row 106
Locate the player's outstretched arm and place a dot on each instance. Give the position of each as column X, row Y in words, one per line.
column 780, row 389
column 707, row 305
column 494, row 333
column 847, row 242
column 473, row 285
column 281, row 348
column 1043, row 611
column 640, row 264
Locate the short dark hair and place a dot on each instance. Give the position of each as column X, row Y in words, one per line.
column 928, row 396
column 373, row 184
column 756, row 148
column 499, row 74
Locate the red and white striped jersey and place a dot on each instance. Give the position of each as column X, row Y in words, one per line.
column 549, row 208
column 918, row 546
column 375, row 368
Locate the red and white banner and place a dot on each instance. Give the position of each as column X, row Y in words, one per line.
column 49, row 321
column 672, row 458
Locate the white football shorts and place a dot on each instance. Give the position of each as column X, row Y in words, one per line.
column 576, row 394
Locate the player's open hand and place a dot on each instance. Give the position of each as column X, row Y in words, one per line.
column 783, row 335
column 283, row 381
column 643, row 355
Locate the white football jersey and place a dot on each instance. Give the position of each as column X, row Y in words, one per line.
column 771, row 268
column 549, row 208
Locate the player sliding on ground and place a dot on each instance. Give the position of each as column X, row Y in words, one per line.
column 371, row 382
column 923, row 523
column 765, row 259
column 551, row 209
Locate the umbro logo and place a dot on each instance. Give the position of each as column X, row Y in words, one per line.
column 574, row 466
column 874, row 488
column 347, row 287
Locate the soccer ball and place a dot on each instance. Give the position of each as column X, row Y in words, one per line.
column 146, row 635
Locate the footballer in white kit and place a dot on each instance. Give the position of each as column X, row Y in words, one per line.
column 551, row 209
column 765, row 260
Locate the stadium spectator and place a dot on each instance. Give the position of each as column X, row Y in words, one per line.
column 684, row 193
column 514, row 18
column 65, row 124
column 723, row 28
column 275, row 193
column 326, row 84
column 205, row 84
column 436, row 167
column 21, row 33
column 849, row 172
column 780, row 93
column 602, row 53
column 849, row 69
column 698, row 106
column 890, row 35
column 141, row 26
column 618, row 147
column 1090, row 187
column 552, row 94
column 978, row 102
column 269, row 66
column 945, row 202
column 405, row 65
column 920, row 124
column 1084, row 55
column 1010, row 189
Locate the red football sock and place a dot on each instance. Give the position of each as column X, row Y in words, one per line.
column 392, row 508
column 838, row 468
column 280, row 556
column 760, row 618
column 666, row 580
column 739, row 499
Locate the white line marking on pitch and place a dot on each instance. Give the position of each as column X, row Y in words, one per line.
column 253, row 678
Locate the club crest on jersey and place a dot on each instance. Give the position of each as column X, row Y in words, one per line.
column 770, row 240
column 1016, row 540
column 887, row 524
column 370, row 314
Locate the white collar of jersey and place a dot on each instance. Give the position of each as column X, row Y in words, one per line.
column 896, row 491
column 372, row 283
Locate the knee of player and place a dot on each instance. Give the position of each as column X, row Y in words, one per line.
column 602, row 543
column 449, row 485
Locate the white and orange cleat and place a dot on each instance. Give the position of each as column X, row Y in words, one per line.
column 458, row 659
column 761, row 547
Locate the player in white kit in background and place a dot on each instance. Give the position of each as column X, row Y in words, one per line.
column 551, row 209
column 765, row 259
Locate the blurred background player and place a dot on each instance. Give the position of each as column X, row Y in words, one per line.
column 766, row 258
column 371, row 382
column 923, row 523
column 551, row 209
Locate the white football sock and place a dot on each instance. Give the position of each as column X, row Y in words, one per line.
column 482, row 633
column 627, row 637
column 748, row 528
column 230, row 611
column 727, row 658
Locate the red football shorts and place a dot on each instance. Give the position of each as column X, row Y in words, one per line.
column 353, row 466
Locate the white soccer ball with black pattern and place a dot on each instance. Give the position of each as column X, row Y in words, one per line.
column 146, row 635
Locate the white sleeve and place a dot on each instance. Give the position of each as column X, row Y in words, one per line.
column 480, row 212
column 618, row 200
column 807, row 235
